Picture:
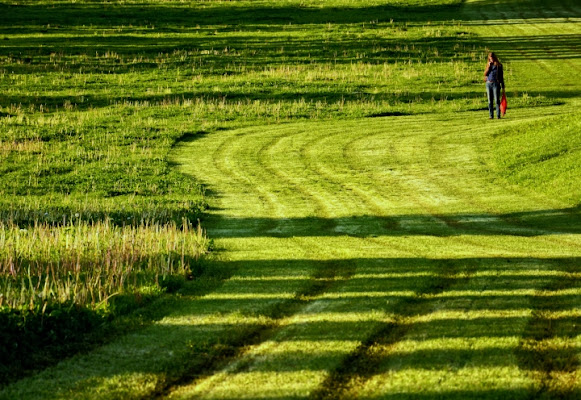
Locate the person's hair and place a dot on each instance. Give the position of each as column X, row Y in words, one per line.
column 495, row 59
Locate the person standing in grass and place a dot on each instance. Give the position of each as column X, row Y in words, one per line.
column 494, row 78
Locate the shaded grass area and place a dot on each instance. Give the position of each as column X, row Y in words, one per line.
column 314, row 327
column 62, row 286
column 526, row 224
column 176, row 14
column 400, row 345
column 444, row 336
column 33, row 340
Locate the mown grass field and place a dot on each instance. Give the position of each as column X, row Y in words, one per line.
column 375, row 235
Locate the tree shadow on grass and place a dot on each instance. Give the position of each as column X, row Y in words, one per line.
column 32, row 341
column 175, row 16
column 527, row 224
column 192, row 16
column 228, row 322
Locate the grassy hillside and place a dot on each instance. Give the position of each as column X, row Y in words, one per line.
column 375, row 235
column 544, row 156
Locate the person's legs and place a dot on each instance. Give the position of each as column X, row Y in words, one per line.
column 497, row 99
column 490, row 95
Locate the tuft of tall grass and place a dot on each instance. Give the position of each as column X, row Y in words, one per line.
column 87, row 263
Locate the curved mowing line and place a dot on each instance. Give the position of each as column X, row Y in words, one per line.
column 329, row 272
column 350, row 192
column 318, row 205
column 396, row 332
column 433, row 287
column 366, row 359
column 430, row 209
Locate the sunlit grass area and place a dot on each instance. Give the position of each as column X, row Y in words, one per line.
column 373, row 235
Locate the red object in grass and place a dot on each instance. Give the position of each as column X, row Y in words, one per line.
column 503, row 104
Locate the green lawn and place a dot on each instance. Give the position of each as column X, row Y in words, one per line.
column 375, row 236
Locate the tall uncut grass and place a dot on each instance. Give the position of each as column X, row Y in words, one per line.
column 88, row 263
